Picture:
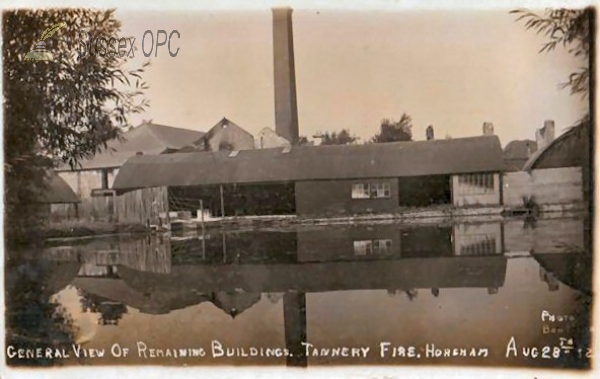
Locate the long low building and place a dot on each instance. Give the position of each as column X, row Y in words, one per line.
column 329, row 180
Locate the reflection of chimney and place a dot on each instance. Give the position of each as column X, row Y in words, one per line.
column 429, row 132
column 286, row 110
column 545, row 135
column 488, row 129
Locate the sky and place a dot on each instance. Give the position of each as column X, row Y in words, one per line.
column 453, row 69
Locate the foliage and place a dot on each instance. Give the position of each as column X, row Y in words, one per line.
column 395, row 131
column 65, row 109
column 334, row 138
column 302, row 140
column 33, row 318
column 569, row 28
column 572, row 29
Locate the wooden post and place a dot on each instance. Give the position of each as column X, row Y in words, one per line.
column 115, row 216
column 222, row 202
column 224, row 248
column 203, row 230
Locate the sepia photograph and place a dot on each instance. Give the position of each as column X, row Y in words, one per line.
column 299, row 186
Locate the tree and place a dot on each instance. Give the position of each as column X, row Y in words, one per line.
column 334, row 138
column 573, row 30
column 394, row 131
column 569, row 28
column 61, row 110
column 302, row 140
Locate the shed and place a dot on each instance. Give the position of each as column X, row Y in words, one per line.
column 302, row 163
column 342, row 179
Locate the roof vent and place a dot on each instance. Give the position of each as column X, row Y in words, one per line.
column 286, row 150
column 234, row 153
column 139, row 153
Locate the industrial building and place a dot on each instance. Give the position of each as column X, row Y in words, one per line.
column 324, row 180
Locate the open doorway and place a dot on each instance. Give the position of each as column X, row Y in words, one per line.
column 423, row 191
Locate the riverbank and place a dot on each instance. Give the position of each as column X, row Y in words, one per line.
column 85, row 228
column 428, row 216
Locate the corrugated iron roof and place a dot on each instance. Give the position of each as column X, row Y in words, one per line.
column 571, row 156
column 437, row 157
column 147, row 138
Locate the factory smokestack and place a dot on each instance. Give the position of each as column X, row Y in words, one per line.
column 286, row 109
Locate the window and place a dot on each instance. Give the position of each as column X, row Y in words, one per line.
column 372, row 247
column 371, row 190
column 476, row 183
column 360, row 191
column 98, row 192
column 104, row 188
column 382, row 190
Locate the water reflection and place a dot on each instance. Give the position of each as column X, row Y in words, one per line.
column 292, row 284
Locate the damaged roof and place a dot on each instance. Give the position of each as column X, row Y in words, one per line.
column 395, row 159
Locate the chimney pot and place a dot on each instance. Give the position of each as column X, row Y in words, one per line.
column 545, row 135
column 429, row 132
column 488, row 129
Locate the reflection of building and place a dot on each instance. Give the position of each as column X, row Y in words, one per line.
column 232, row 269
column 392, row 242
column 478, row 239
column 110, row 311
column 235, row 302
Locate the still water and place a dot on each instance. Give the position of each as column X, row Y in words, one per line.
column 512, row 293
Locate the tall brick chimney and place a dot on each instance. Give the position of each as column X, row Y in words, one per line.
column 286, row 109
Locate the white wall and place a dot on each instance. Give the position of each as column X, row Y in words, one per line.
column 548, row 186
column 462, row 198
column 84, row 181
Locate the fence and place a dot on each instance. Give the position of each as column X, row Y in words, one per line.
column 142, row 206
column 90, row 209
column 135, row 207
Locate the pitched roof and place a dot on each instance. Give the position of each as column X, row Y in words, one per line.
column 519, row 149
column 517, row 152
column 147, row 138
column 156, row 301
column 58, row 191
column 436, row 157
column 223, row 123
